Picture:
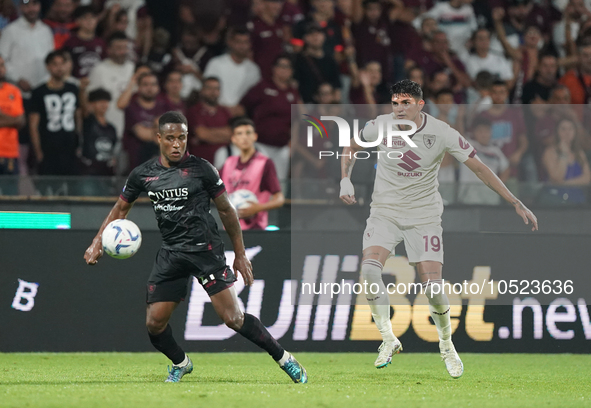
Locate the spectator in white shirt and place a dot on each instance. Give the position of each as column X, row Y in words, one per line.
column 481, row 58
column 113, row 74
column 24, row 44
column 455, row 18
column 237, row 73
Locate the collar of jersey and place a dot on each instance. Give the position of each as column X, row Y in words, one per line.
column 424, row 115
column 185, row 157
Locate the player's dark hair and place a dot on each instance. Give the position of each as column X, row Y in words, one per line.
column 282, row 57
column 238, row 30
column 558, row 87
column 473, row 38
column 146, row 75
column 407, row 87
column 56, row 54
column 174, row 71
column 435, row 73
column 444, row 91
column 99, row 94
column 368, row 63
column 83, row 11
column 484, row 80
column 500, row 82
column 416, row 68
column 211, row 78
column 366, row 3
column 481, row 121
column 116, row 36
column 241, row 121
column 547, row 54
column 172, row 117
column 584, row 39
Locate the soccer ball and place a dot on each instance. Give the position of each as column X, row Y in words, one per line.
column 121, row 239
column 240, row 198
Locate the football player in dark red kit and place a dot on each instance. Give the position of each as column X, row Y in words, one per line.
column 181, row 187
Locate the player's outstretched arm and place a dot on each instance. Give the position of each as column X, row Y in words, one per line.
column 489, row 178
column 347, row 193
column 229, row 218
column 95, row 250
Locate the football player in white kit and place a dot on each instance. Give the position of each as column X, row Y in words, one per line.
column 406, row 206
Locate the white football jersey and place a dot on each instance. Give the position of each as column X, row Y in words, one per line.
column 407, row 188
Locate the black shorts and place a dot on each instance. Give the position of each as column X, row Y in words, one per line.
column 172, row 270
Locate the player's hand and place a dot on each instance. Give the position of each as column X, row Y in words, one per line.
column 527, row 215
column 249, row 211
column 243, row 265
column 347, row 193
column 94, row 252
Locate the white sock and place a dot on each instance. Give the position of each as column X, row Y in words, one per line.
column 439, row 308
column 379, row 303
column 184, row 363
column 284, row 359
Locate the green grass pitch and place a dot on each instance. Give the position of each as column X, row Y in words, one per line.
column 253, row 380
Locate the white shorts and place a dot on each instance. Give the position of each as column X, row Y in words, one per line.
column 423, row 242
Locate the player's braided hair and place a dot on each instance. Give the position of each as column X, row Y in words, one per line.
column 407, row 87
column 172, row 117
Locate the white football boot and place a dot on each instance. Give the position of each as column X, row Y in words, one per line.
column 386, row 350
column 449, row 355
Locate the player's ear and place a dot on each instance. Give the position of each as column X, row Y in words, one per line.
column 421, row 104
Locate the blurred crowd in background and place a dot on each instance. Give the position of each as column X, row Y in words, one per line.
column 84, row 82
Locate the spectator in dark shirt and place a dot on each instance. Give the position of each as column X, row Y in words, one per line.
column 416, row 74
column 171, row 96
column 267, row 35
column 370, row 29
column 54, row 118
column 208, row 122
column 190, row 57
column 365, row 85
column 269, row 105
column 99, row 137
column 323, row 15
column 314, row 66
column 159, row 59
column 141, row 116
column 86, row 48
column 442, row 59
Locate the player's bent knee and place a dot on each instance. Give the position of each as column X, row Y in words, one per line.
column 234, row 320
column 155, row 326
